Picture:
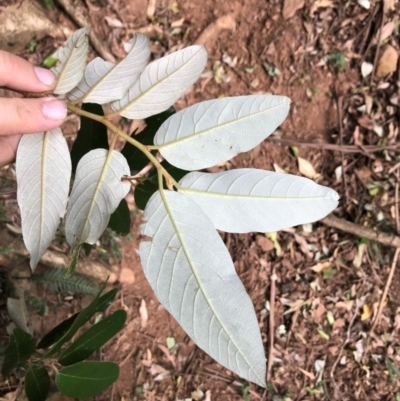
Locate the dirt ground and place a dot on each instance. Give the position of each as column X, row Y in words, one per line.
column 328, row 283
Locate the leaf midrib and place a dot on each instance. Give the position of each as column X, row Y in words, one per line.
column 98, row 186
column 75, row 48
column 217, row 127
column 250, row 197
column 186, row 252
column 42, row 188
column 155, row 85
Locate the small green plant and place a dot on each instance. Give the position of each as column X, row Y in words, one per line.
column 57, row 352
column 337, row 60
column 183, row 256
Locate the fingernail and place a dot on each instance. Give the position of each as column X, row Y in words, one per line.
column 45, row 76
column 55, row 110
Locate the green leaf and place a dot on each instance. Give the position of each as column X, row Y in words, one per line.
column 59, row 331
column 21, row 347
column 56, row 334
column 120, row 220
column 49, row 61
column 136, row 159
column 86, row 379
column 393, row 371
column 91, row 135
column 94, row 338
column 37, row 383
column 84, row 316
column 106, row 300
column 143, row 193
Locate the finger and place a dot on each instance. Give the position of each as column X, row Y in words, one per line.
column 27, row 116
column 17, row 73
column 8, row 146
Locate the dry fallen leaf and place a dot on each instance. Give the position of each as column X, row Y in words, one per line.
column 347, row 304
column 364, row 3
column 367, row 311
column 144, row 316
column 366, row 69
column 320, row 4
column 387, row 62
column 151, row 9
column 264, row 243
column 290, row 7
column 306, row 168
column 321, row 266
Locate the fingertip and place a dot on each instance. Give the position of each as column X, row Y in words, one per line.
column 45, row 76
column 54, row 109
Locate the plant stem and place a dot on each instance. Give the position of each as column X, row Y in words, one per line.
column 168, row 178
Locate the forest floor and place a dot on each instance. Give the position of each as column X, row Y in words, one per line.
column 338, row 62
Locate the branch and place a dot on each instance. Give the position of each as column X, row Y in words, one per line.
column 365, row 149
column 271, row 325
column 359, row 231
column 79, row 15
column 386, row 290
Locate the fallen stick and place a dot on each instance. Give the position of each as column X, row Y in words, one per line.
column 334, row 147
column 78, row 13
column 385, row 291
column 212, row 30
column 271, row 325
column 359, row 231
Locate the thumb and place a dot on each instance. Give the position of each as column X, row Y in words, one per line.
column 26, row 116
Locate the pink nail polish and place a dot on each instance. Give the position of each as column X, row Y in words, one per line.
column 55, row 110
column 45, row 76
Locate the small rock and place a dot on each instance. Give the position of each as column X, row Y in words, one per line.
column 264, row 243
column 24, row 21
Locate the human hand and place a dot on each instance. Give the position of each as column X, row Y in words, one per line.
column 25, row 116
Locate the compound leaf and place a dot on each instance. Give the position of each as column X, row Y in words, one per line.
column 37, row 383
column 96, row 193
column 192, row 274
column 94, row 338
column 92, row 134
column 54, row 279
column 71, row 61
column 43, row 174
column 245, row 200
column 162, row 83
column 214, row 131
column 86, row 379
column 21, row 347
column 104, row 82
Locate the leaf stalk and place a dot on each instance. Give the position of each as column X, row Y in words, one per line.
column 171, row 182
